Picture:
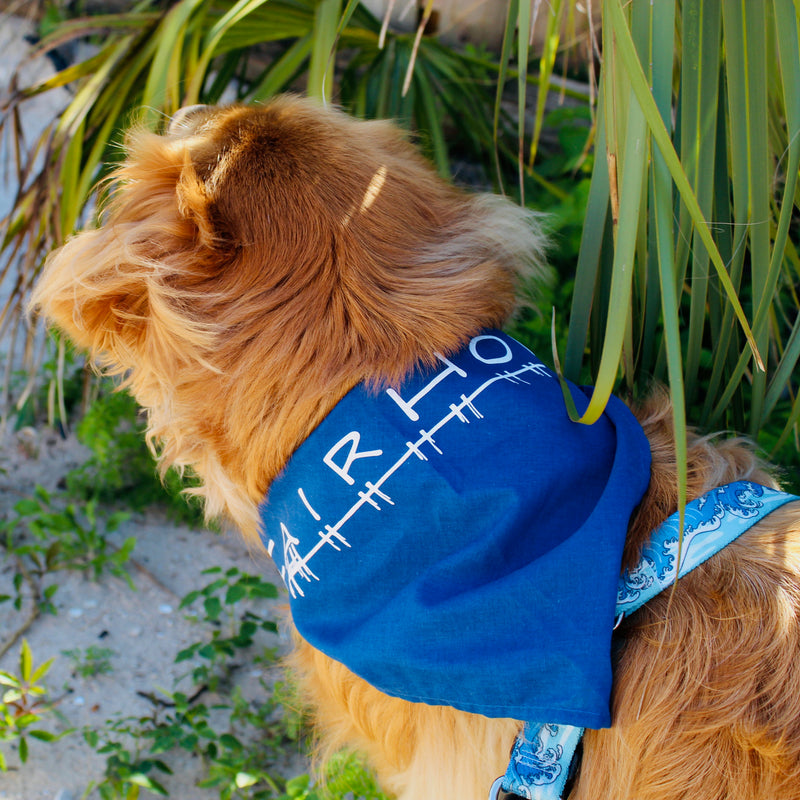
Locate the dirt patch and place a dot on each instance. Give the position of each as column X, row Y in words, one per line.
column 143, row 627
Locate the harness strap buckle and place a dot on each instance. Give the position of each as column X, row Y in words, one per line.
column 497, row 792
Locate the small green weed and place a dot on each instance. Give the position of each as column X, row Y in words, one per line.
column 241, row 741
column 127, row 771
column 23, row 706
column 238, row 757
column 48, row 538
column 41, row 538
column 233, row 629
column 121, row 463
column 346, row 775
column 239, row 760
column 91, row 661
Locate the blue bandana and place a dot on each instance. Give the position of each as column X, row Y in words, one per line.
column 435, row 538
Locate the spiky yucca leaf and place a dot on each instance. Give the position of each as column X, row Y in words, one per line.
column 687, row 270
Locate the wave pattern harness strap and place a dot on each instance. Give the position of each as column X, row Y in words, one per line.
column 541, row 760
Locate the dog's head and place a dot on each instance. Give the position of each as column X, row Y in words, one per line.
column 256, row 262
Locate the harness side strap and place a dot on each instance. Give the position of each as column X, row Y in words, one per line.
column 540, row 763
column 711, row 522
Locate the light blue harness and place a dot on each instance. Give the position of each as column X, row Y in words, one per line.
column 543, row 753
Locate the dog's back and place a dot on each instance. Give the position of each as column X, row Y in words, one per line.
column 706, row 700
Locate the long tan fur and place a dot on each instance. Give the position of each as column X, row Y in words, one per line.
column 255, row 264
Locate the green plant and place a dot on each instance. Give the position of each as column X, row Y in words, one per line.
column 23, row 705
column 232, row 629
column 242, row 761
column 239, row 740
column 42, row 538
column 55, row 380
column 301, row 787
column 126, row 772
column 237, row 743
column 242, row 741
column 346, row 775
column 91, row 661
column 687, row 269
column 121, row 463
column 48, row 538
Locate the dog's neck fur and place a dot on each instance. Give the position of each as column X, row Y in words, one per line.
column 239, row 435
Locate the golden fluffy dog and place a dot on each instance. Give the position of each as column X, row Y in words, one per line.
column 257, row 263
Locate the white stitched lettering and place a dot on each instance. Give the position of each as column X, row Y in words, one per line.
column 353, row 438
column 311, row 511
column 473, row 348
column 296, row 565
column 407, row 406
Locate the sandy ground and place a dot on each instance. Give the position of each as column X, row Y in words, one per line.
column 144, row 628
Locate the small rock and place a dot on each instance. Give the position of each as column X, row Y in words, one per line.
column 28, row 442
column 165, row 608
column 76, row 612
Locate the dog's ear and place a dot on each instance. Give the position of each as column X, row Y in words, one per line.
column 90, row 295
column 113, row 289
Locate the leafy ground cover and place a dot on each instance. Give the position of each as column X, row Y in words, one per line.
column 139, row 656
